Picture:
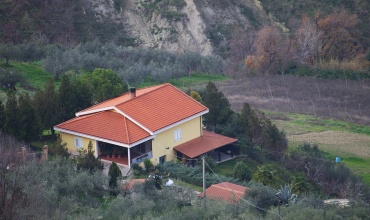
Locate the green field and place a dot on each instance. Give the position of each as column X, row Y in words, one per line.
column 348, row 140
column 34, row 73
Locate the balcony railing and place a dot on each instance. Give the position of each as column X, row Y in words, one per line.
column 142, row 157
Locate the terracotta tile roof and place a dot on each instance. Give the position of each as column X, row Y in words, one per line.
column 161, row 107
column 107, row 125
column 226, row 191
column 152, row 109
column 201, row 145
column 120, row 99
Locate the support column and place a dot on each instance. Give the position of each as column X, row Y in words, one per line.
column 96, row 149
column 129, row 157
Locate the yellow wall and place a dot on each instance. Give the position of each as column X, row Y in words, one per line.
column 189, row 130
column 69, row 139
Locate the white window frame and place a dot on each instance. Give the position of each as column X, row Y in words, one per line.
column 177, row 135
column 78, row 143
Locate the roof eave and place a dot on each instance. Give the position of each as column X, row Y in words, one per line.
column 103, row 139
column 181, row 122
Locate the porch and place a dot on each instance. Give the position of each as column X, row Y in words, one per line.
column 124, row 156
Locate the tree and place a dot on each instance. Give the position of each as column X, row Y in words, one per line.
column 105, row 84
column 31, row 121
column 307, row 40
column 86, row 160
column 114, row 173
column 10, row 77
column 2, row 117
column 338, row 39
column 13, row 123
column 8, row 51
column 250, row 122
column 196, row 96
column 218, row 105
column 47, row 104
column 74, row 95
column 268, row 48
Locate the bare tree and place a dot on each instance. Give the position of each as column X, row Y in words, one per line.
column 307, row 40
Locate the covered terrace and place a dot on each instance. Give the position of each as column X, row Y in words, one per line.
column 212, row 144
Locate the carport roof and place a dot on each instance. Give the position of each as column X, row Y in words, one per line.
column 203, row 144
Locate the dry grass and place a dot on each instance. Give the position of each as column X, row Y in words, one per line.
column 340, row 99
column 338, row 142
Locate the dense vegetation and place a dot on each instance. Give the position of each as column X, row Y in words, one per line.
column 55, row 189
column 89, row 57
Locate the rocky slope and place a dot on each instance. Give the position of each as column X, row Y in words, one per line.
column 202, row 26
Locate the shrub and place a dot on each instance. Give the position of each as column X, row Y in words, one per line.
column 59, row 148
column 86, row 160
column 242, row 172
column 148, row 165
column 262, row 196
column 114, row 173
column 137, row 169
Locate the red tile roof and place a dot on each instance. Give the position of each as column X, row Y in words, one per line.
column 152, row 109
column 161, row 107
column 201, row 145
column 226, row 191
column 107, row 125
column 118, row 100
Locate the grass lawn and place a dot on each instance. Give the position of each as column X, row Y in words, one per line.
column 348, row 140
column 34, row 73
column 188, row 81
column 187, row 185
column 227, row 168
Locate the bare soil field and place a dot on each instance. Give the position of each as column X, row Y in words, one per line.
column 346, row 100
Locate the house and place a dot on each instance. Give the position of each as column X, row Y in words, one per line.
column 159, row 122
column 226, row 191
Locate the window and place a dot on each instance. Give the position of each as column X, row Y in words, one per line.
column 78, row 143
column 177, row 134
column 162, row 159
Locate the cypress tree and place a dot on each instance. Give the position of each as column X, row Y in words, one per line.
column 13, row 122
column 114, row 173
column 2, row 117
column 47, row 104
column 30, row 119
column 67, row 99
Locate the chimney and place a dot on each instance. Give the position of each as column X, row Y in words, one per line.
column 133, row 92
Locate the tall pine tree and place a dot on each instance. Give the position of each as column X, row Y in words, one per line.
column 218, row 105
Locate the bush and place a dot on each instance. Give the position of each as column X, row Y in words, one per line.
column 194, row 175
column 137, row 169
column 86, row 160
column 262, row 196
column 148, row 165
column 114, row 173
column 59, row 148
column 242, row 172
